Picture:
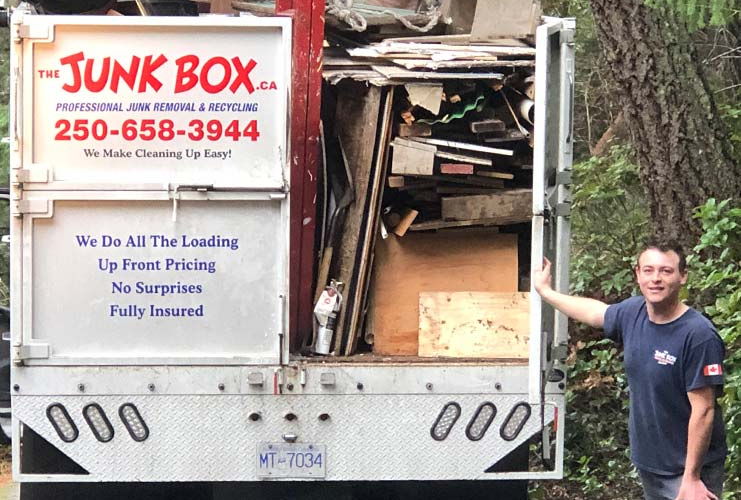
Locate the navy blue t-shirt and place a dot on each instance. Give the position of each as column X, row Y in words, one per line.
column 663, row 362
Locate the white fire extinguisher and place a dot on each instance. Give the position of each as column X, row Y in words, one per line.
column 325, row 312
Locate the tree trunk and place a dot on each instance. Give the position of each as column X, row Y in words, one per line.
column 681, row 144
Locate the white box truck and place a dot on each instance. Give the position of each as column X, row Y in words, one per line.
column 150, row 217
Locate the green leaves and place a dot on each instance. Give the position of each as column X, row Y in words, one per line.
column 713, row 286
column 609, row 221
column 699, row 14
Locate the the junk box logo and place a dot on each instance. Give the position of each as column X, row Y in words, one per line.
column 144, row 73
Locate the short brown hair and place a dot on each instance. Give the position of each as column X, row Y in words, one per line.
column 665, row 246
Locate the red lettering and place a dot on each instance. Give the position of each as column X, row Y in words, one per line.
column 119, row 73
column 186, row 78
column 243, row 75
column 73, row 60
column 148, row 77
column 215, row 88
column 92, row 84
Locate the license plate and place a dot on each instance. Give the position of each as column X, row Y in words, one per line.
column 291, row 460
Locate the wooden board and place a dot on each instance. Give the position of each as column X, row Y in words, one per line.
column 355, row 299
column 462, row 39
column 430, row 262
column 504, row 19
column 394, row 73
column 456, row 168
column 445, row 224
column 474, row 324
column 410, row 157
column 358, row 116
column 510, row 206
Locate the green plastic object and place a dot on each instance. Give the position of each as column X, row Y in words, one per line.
column 477, row 104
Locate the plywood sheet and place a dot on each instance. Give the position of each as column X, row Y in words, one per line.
column 479, row 261
column 474, row 324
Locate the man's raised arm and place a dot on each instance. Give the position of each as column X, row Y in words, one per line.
column 589, row 311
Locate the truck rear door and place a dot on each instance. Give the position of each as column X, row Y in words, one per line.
column 551, row 196
column 151, row 192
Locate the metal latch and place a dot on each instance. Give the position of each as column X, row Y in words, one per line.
column 560, row 352
column 178, row 188
column 567, row 36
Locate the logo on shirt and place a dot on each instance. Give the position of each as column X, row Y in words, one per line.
column 710, row 370
column 664, row 358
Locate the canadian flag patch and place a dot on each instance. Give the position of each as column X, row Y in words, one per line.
column 710, row 370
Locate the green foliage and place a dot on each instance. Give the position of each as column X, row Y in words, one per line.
column 609, row 222
column 597, row 457
column 732, row 116
column 715, row 275
column 594, row 110
column 699, row 14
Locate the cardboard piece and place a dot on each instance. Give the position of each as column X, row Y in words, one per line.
column 425, row 96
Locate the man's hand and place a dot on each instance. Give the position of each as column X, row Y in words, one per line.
column 589, row 311
column 694, row 489
column 542, row 278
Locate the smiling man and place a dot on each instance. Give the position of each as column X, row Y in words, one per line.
column 674, row 363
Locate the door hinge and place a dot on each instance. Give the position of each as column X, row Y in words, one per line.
column 563, row 177
column 30, row 351
column 560, row 352
column 34, row 32
column 567, row 36
column 23, row 207
column 562, row 210
column 31, row 175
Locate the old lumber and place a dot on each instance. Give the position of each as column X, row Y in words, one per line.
column 456, row 168
column 445, row 224
column 412, row 158
column 469, row 180
column 474, row 324
column 414, row 130
column 464, row 158
column 355, row 298
column 495, row 175
column 504, row 19
column 358, row 115
column 509, row 206
column 464, row 145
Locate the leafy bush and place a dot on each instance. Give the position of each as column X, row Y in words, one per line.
column 609, row 223
column 713, row 287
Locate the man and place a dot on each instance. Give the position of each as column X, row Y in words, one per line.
column 673, row 358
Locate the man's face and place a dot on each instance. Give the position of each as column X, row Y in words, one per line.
column 659, row 277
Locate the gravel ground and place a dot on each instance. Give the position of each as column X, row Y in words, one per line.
column 8, row 489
